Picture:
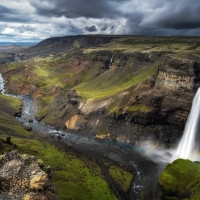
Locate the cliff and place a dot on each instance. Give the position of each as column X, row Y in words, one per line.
column 126, row 88
column 156, row 108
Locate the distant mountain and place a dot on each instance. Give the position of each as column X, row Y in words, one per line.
column 18, row 43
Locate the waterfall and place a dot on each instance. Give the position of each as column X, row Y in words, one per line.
column 111, row 61
column 2, row 89
column 188, row 147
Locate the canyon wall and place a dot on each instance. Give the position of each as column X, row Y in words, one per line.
column 155, row 109
column 141, row 95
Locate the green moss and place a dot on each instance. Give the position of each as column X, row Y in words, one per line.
column 70, row 174
column 146, row 44
column 9, row 126
column 77, row 44
column 44, row 72
column 13, row 65
column 41, row 71
column 138, row 107
column 122, row 177
column 112, row 82
column 9, row 103
column 90, row 72
column 181, row 178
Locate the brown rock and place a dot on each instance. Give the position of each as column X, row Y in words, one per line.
column 39, row 181
column 22, row 178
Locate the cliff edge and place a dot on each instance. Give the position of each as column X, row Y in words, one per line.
column 23, row 178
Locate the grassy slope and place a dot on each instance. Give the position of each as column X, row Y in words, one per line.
column 149, row 43
column 122, row 178
column 58, row 71
column 72, row 174
column 82, row 70
column 113, row 81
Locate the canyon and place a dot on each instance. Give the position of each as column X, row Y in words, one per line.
column 128, row 89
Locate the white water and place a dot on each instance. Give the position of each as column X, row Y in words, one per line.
column 111, row 61
column 2, row 88
column 188, row 147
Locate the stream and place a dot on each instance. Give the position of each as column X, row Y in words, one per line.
column 147, row 168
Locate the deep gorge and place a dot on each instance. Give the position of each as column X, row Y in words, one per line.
column 144, row 95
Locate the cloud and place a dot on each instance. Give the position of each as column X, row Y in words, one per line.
column 163, row 17
column 41, row 19
column 78, row 8
column 91, row 28
column 175, row 15
column 2, row 27
column 27, row 28
column 104, row 28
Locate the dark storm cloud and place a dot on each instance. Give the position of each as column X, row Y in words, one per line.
column 165, row 18
column 78, row 8
column 49, row 18
column 13, row 15
column 91, row 28
column 143, row 17
column 104, row 28
column 27, row 28
column 180, row 16
column 3, row 9
column 67, row 29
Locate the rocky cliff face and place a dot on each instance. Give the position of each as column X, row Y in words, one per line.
column 22, row 177
column 142, row 94
column 156, row 109
column 176, row 73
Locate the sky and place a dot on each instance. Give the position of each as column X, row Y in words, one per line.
column 35, row 20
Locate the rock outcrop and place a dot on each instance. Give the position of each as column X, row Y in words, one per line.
column 176, row 73
column 22, row 178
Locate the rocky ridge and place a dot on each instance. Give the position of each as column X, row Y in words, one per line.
column 23, row 178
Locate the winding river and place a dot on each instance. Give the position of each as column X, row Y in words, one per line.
column 147, row 171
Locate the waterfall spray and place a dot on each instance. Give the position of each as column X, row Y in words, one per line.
column 188, row 144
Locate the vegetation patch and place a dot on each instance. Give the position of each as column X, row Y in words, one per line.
column 70, row 174
column 9, row 103
column 110, row 83
column 138, row 107
column 181, row 180
column 123, row 178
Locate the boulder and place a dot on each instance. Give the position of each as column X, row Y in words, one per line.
column 28, row 128
column 30, row 120
column 22, row 178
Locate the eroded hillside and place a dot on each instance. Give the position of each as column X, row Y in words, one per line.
column 127, row 88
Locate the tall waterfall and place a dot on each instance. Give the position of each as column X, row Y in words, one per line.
column 2, row 89
column 188, row 147
column 111, row 61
